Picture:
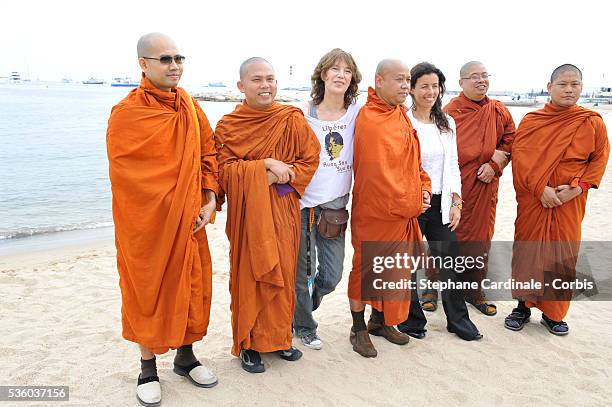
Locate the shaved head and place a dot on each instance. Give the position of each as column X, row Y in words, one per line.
column 245, row 65
column 392, row 81
column 147, row 44
column 388, row 64
column 467, row 67
column 151, row 47
column 474, row 80
column 565, row 68
column 565, row 86
column 258, row 83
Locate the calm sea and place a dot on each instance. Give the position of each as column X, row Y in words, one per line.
column 53, row 166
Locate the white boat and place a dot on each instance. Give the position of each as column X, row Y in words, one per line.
column 519, row 100
column 127, row 82
column 522, row 102
column 15, row 77
column 93, row 81
column 601, row 97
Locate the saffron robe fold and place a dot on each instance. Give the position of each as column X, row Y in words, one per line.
column 387, row 195
column 482, row 128
column 160, row 159
column 553, row 146
column 263, row 228
column 480, row 131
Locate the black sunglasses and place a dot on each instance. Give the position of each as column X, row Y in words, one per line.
column 167, row 59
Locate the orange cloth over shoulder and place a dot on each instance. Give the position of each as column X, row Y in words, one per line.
column 263, row 228
column 387, row 195
column 158, row 166
column 553, row 146
column 480, row 131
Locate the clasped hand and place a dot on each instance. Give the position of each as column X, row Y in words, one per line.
column 278, row 172
column 555, row 197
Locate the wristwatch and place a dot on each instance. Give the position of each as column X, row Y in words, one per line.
column 457, row 205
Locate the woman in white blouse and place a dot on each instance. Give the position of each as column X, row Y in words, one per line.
column 436, row 133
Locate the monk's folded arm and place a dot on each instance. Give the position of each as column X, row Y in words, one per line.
column 599, row 158
column 233, row 164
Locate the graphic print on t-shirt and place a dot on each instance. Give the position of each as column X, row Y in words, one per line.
column 333, row 144
column 334, row 176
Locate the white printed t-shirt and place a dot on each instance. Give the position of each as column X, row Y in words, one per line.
column 333, row 178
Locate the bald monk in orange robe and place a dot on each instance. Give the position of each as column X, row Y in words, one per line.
column 485, row 131
column 267, row 155
column 391, row 190
column 163, row 173
column 559, row 153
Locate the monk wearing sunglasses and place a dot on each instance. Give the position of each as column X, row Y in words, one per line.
column 163, row 173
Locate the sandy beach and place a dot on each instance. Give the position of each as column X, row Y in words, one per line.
column 61, row 326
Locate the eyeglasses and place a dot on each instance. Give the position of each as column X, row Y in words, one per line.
column 167, row 59
column 476, row 76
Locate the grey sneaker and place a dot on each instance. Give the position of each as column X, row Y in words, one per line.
column 311, row 340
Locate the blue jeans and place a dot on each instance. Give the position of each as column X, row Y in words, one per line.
column 330, row 256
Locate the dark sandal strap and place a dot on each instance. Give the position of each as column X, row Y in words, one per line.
column 189, row 368
column 147, row 379
column 554, row 325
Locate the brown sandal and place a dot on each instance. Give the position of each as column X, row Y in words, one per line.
column 429, row 301
column 488, row 309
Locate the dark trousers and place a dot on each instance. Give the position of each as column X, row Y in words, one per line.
column 442, row 242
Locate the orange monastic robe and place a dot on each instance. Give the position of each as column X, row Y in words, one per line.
column 480, row 131
column 160, row 159
column 263, row 228
column 482, row 128
column 553, row 146
column 387, row 195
